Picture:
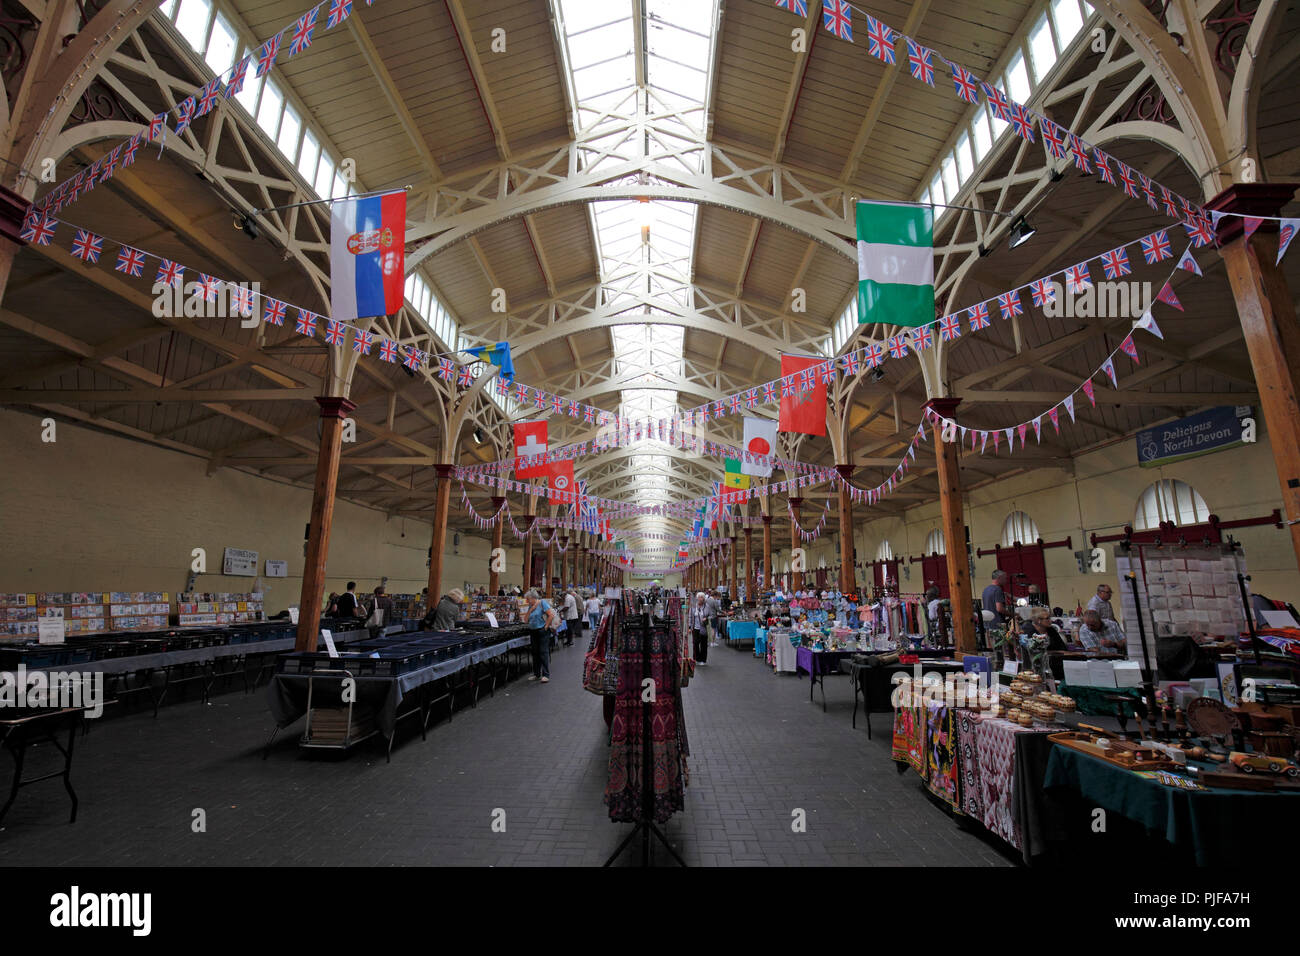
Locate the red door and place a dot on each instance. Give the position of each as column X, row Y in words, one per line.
column 538, row 574
column 884, row 570
column 934, row 570
column 1026, row 566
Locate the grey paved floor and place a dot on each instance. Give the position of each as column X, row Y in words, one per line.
column 760, row 751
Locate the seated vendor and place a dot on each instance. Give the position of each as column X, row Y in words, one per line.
column 1101, row 636
column 1040, row 625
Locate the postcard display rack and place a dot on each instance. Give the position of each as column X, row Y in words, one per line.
column 83, row 612
column 196, row 608
column 505, row 609
column 1185, row 591
column 407, row 607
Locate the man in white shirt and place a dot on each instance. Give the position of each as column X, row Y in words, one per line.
column 571, row 618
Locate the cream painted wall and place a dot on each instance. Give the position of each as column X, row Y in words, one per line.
column 93, row 512
column 1101, row 496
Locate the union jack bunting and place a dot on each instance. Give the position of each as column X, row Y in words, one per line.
column 1126, row 181
column 336, row 333
column 158, row 124
column 1171, row 209
column 363, row 340
column 1155, row 247
column 273, row 312
column 446, row 369
column 241, row 299
column 574, row 410
column 704, row 413
column 1022, row 121
column 169, row 273
column 950, row 327
column 751, row 398
column 827, row 373
column 184, row 114
column 837, row 17
column 788, row 387
column 1129, row 349
column 806, row 380
column 922, row 338
column 734, row 402
column 588, row 413
column 209, row 95
column 1200, row 231
column 237, row 75
column 997, row 102
column 850, row 363
column 769, row 392
column 557, row 404
column 1103, row 167
column 130, row 261
column 1148, row 193
column 87, row 246
column 302, row 31
column 919, row 62
column 719, row 410
column 1079, row 153
column 1115, row 263
column 209, row 286
column 539, row 398
column 110, row 164
column 339, row 11
column 129, row 150
column 1077, row 278
column 267, row 54
column 521, row 392
column 501, row 385
column 880, row 40
column 413, row 355
column 1009, row 303
column 465, row 377
column 1189, row 211
column 979, row 316
column 39, row 231
column 1166, row 295
column 966, row 83
column 1053, row 137
column 898, row 346
column 1043, row 291
column 306, row 323
column 875, row 355
column 794, row 6
column 388, row 350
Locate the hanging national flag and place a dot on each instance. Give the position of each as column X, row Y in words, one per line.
column 300, row 39
column 1155, row 247
column 1103, row 166
column 336, row 333
column 1126, row 181
column 169, row 273
column 758, row 443
column 1285, row 233
column 1043, row 291
column 1053, row 137
column 837, row 17
column 306, row 323
column 979, row 316
column 1079, row 153
column 1129, row 349
column 1115, row 263
column 559, row 480
column 209, row 95
column 898, row 347
column 1166, row 295
column 997, row 102
column 339, row 11
column 966, row 83
column 949, row 327
column 1167, row 200
column 184, row 114
column 735, row 478
column 1009, row 303
column 1088, row 390
column 850, row 363
column 794, row 6
column 130, row 261
column 919, row 62
column 1188, row 263
column 367, row 255
column 238, row 73
column 1148, row 193
column 1148, row 323
column 446, row 369
column 895, row 263
column 1022, row 121
column 157, row 125
column 362, row 342
column 1200, row 231
column 531, row 444
column 805, row 410
column 875, row 355
column 1108, row 367
column 87, row 246
column 388, row 350
column 1077, row 278
column 498, row 355
column 273, row 312
column 880, row 40
column 208, row 287
column 268, row 52
column 922, row 338
column 38, row 229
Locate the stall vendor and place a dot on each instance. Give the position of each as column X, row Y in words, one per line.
column 1101, row 636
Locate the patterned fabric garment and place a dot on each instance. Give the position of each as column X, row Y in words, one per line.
column 909, row 728
column 968, row 724
column 941, row 760
column 995, row 751
column 667, row 746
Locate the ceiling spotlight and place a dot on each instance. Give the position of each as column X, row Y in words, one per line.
column 877, row 373
column 1021, row 232
column 478, row 436
column 247, row 225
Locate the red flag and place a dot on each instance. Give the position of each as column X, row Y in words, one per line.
column 530, row 440
column 559, row 479
column 803, row 411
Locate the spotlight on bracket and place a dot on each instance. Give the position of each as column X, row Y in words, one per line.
column 1021, row 232
column 248, row 226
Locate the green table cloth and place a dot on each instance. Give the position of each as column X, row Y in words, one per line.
column 1092, row 700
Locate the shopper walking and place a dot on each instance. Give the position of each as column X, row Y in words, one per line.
column 713, row 608
column 541, row 619
column 573, row 621
column 700, row 628
column 593, row 611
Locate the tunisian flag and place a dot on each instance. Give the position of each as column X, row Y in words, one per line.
column 802, row 411
column 559, row 478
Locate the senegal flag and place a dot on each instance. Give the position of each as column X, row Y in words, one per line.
column 735, row 477
column 895, row 263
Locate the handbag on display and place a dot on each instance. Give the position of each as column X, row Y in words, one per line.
column 593, row 667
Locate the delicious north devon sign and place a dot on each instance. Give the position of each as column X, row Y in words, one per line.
column 1211, row 430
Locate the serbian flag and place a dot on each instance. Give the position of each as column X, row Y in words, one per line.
column 805, row 410
column 530, row 441
column 559, row 480
column 367, row 256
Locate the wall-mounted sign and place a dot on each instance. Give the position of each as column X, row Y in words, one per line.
column 1211, row 430
column 240, row 562
column 277, row 569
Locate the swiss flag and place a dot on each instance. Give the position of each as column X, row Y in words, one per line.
column 530, row 440
column 559, row 480
column 805, row 410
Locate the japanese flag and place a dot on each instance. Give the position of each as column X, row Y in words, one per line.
column 760, row 442
column 530, row 441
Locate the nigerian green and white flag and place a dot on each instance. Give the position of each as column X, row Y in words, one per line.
column 895, row 263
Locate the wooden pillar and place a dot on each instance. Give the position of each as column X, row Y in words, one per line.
column 749, row 562
column 494, row 577
column 332, row 412
column 441, row 505
column 1268, row 321
column 528, row 550
column 796, row 577
column 564, row 562
column 954, row 527
column 847, row 582
column 550, row 566
column 768, row 571
column 735, row 589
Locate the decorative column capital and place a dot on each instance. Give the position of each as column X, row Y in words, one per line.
column 498, row 501
column 335, row 406
column 846, row 471
column 1249, row 199
column 796, row 502
column 444, row 471
column 767, row 519
column 945, row 406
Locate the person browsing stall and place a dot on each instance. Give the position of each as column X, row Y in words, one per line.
column 542, row 618
column 348, row 604
column 444, row 616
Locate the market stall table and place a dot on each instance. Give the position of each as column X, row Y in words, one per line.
column 875, row 684
column 25, row 728
column 817, row 664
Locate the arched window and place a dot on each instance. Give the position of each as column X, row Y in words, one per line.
column 1019, row 527
column 934, row 543
column 884, row 552
column 1169, row 500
